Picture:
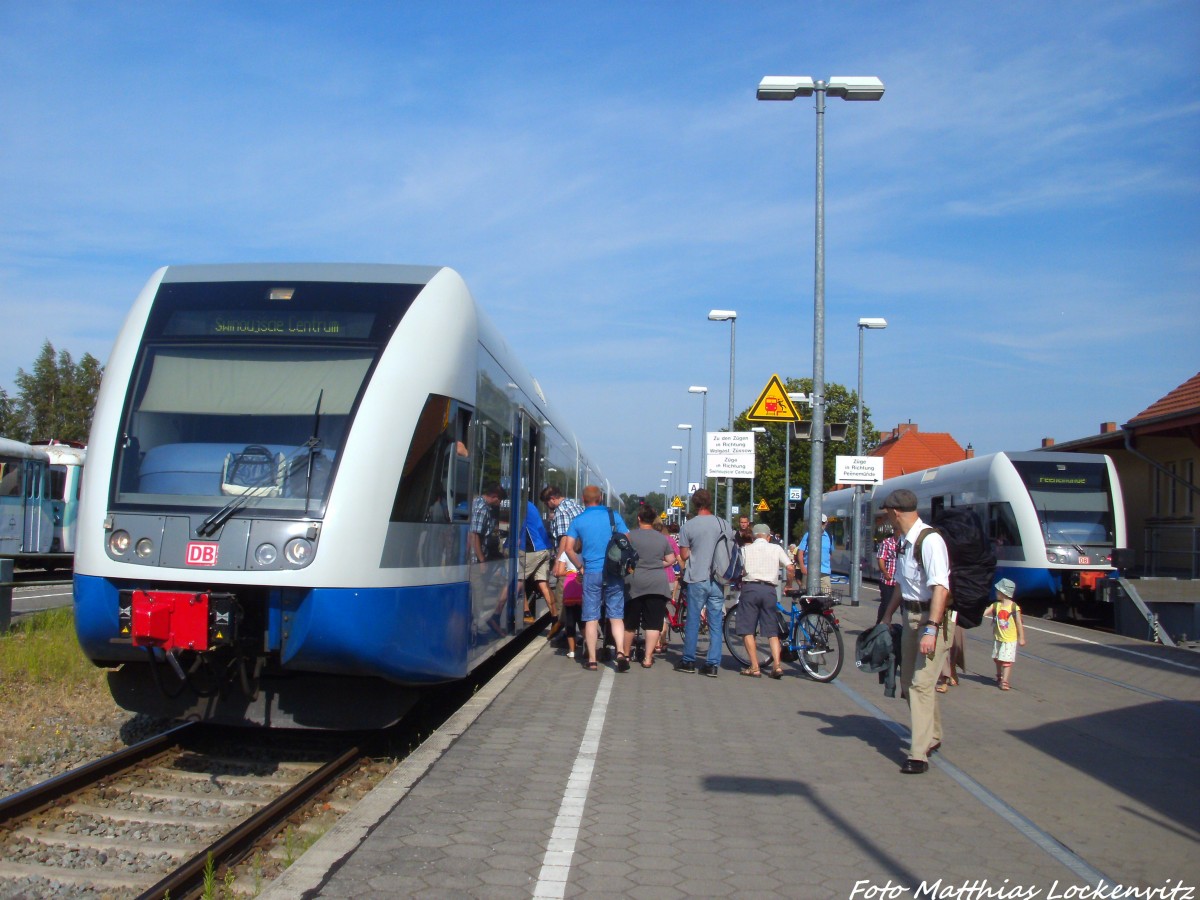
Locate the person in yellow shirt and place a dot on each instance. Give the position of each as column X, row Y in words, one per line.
column 1007, row 631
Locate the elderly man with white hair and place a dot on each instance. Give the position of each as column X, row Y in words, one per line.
column 756, row 608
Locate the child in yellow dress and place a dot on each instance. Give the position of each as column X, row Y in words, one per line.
column 1007, row 631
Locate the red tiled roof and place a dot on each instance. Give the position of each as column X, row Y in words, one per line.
column 1184, row 399
column 914, row 450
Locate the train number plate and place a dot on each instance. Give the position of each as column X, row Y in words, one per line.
column 1085, row 560
column 201, row 553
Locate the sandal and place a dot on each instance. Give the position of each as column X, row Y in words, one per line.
column 591, row 666
column 775, row 673
column 751, row 673
column 953, row 682
column 647, row 664
column 942, row 687
column 1004, row 686
column 622, row 662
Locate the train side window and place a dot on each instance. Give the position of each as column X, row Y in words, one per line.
column 10, row 478
column 1002, row 526
column 424, row 491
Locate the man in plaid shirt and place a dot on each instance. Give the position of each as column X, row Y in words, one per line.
column 564, row 510
column 886, row 557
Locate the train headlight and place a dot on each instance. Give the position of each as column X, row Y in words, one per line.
column 298, row 551
column 266, row 554
column 118, row 542
column 144, row 547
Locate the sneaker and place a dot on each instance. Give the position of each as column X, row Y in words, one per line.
column 710, row 671
column 570, row 654
column 684, row 666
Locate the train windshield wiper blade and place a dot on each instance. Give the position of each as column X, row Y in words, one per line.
column 254, row 492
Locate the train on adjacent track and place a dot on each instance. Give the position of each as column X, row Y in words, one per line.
column 39, row 501
column 285, row 460
column 1053, row 519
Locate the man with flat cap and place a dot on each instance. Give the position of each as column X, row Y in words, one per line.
column 922, row 590
column 756, row 608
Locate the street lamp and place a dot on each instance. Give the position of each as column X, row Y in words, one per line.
column 789, row 87
column 688, row 467
column 678, row 448
column 703, row 391
column 730, row 316
column 856, row 545
column 757, row 429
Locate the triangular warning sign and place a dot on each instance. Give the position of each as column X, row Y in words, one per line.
column 762, row 506
column 773, row 404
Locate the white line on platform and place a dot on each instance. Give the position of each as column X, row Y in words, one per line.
column 556, row 865
column 1040, row 838
column 1157, row 659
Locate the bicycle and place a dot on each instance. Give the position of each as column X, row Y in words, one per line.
column 810, row 633
column 676, row 623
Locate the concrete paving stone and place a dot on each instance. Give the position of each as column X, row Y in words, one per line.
column 656, row 892
column 395, row 885
column 498, row 877
column 605, row 868
column 653, row 877
column 648, row 856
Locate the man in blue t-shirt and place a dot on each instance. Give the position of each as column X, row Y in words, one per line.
column 826, row 561
column 589, row 534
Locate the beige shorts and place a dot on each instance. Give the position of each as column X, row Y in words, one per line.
column 535, row 565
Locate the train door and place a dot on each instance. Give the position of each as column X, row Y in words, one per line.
column 39, row 520
column 530, row 466
column 12, row 504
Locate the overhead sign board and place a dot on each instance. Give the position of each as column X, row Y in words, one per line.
column 730, row 454
column 773, row 404
column 859, row 469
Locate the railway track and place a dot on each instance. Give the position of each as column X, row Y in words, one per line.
column 149, row 820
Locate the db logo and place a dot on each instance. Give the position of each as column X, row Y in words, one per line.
column 201, row 554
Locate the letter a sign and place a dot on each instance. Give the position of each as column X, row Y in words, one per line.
column 773, row 404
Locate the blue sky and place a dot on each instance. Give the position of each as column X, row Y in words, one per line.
column 1021, row 205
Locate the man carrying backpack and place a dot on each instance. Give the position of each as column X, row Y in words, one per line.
column 922, row 589
column 603, row 594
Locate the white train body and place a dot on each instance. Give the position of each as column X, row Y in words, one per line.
column 1053, row 518
column 301, row 447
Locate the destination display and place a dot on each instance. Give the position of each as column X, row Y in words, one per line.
column 339, row 325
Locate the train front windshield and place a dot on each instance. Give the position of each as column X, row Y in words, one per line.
column 248, row 389
column 1073, row 500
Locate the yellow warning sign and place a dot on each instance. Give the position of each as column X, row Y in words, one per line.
column 773, row 404
column 762, row 506
column 677, row 503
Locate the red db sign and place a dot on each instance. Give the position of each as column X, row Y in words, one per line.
column 201, row 553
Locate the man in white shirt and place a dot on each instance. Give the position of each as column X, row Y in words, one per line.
column 922, row 588
column 756, row 608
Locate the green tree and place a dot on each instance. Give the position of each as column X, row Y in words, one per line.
column 56, row 399
column 841, row 405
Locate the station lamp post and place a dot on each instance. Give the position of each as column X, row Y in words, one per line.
column 703, row 391
column 730, row 316
column 856, row 545
column 688, row 467
column 678, row 448
column 789, row 87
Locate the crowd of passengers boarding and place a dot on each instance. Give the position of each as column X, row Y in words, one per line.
column 914, row 567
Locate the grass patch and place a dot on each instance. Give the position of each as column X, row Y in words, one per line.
column 43, row 648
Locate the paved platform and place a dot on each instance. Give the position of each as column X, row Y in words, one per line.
column 557, row 782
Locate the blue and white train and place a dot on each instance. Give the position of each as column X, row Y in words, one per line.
column 1054, row 519
column 39, row 501
column 284, row 464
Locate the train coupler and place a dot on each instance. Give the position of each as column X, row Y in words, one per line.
column 179, row 620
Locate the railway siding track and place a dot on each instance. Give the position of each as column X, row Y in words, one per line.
column 146, row 821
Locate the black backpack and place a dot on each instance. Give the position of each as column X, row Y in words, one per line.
column 972, row 562
column 620, row 558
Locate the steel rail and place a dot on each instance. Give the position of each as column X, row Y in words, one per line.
column 231, row 846
column 49, row 792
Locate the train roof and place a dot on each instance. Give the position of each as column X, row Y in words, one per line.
column 21, row 450
column 365, row 273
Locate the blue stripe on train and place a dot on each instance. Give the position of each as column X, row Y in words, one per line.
column 417, row 634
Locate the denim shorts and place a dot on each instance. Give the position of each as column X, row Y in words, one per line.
column 602, row 594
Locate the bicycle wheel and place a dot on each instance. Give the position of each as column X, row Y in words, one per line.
column 821, row 649
column 737, row 647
